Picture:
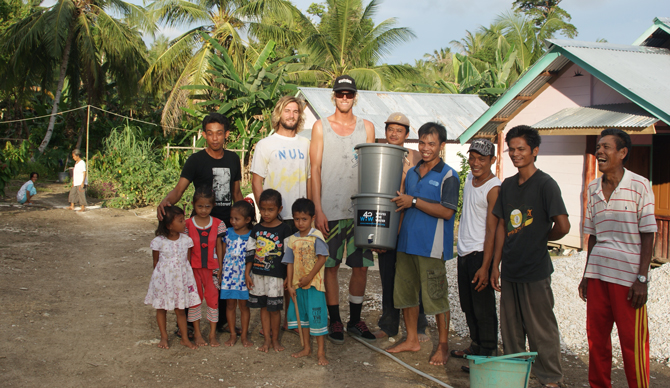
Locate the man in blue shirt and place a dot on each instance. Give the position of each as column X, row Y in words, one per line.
column 426, row 239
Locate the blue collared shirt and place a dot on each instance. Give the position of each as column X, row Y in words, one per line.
column 422, row 234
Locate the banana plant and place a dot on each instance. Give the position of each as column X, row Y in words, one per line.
column 246, row 95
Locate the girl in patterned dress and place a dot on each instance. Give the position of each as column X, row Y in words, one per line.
column 233, row 284
column 172, row 285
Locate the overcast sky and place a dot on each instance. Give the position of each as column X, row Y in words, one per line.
column 437, row 22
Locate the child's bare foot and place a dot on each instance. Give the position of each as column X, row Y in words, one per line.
column 441, row 356
column 424, row 338
column 246, row 342
column 213, row 341
column 188, row 344
column 163, row 344
column 404, row 347
column 266, row 346
column 199, row 341
column 277, row 346
column 232, row 340
column 304, row 352
column 322, row 359
column 71, row 207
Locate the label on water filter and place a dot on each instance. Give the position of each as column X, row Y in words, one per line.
column 381, row 219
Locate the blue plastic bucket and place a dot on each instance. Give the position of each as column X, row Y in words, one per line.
column 509, row 371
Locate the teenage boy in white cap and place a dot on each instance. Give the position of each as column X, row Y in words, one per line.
column 476, row 238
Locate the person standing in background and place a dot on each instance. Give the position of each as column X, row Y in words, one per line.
column 78, row 191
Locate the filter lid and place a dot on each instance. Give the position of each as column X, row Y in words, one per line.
column 363, row 145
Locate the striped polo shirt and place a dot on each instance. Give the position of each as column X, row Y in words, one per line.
column 617, row 225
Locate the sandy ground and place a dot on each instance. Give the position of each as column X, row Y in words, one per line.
column 73, row 287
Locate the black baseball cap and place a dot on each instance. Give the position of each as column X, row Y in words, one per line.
column 483, row 147
column 344, row 83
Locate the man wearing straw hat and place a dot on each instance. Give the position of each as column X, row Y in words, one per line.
column 334, row 180
column 397, row 131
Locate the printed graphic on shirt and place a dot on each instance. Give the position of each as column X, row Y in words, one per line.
column 267, row 245
column 519, row 219
column 221, row 186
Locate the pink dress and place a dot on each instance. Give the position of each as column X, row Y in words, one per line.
column 172, row 283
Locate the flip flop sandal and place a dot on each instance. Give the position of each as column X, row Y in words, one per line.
column 191, row 333
column 461, row 353
column 465, row 369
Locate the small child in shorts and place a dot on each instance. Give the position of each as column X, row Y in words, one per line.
column 305, row 255
column 264, row 271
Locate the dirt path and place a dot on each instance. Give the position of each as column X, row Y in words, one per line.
column 73, row 287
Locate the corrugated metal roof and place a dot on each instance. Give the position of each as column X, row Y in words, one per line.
column 599, row 116
column 644, row 71
column 455, row 111
column 642, row 74
column 607, row 46
column 489, row 130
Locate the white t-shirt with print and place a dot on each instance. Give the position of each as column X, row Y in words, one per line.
column 284, row 164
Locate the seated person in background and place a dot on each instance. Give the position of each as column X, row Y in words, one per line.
column 27, row 191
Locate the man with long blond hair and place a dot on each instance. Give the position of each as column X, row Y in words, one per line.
column 281, row 160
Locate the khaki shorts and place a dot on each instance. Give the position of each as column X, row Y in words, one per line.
column 77, row 195
column 418, row 274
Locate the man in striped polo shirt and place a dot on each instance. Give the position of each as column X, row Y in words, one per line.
column 621, row 224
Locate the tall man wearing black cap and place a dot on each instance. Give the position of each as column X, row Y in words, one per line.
column 334, row 180
column 476, row 238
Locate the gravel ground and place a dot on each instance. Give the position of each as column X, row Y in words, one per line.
column 570, row 310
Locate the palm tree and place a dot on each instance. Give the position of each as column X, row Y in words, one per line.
column 186, row 61
column 471, row 44
column 83, row 33
column 439, row 57
column 347, row 42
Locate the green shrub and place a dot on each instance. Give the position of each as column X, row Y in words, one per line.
column 131, row 173
column 30, row 167
column 11, row 159
column 462, row 175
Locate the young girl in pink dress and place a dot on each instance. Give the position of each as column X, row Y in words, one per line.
column 172, row 285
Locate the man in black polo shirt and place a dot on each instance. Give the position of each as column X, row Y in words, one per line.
column 214, row 167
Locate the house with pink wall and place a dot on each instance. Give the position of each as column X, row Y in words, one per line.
column 570, row 95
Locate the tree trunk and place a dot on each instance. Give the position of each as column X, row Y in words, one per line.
column 81, row 129
column 59, row 90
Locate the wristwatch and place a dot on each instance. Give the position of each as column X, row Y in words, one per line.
column 413, row 201
column 643, row 279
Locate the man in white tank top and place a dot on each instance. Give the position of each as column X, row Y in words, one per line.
column 332, row 158
column 476, row 239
